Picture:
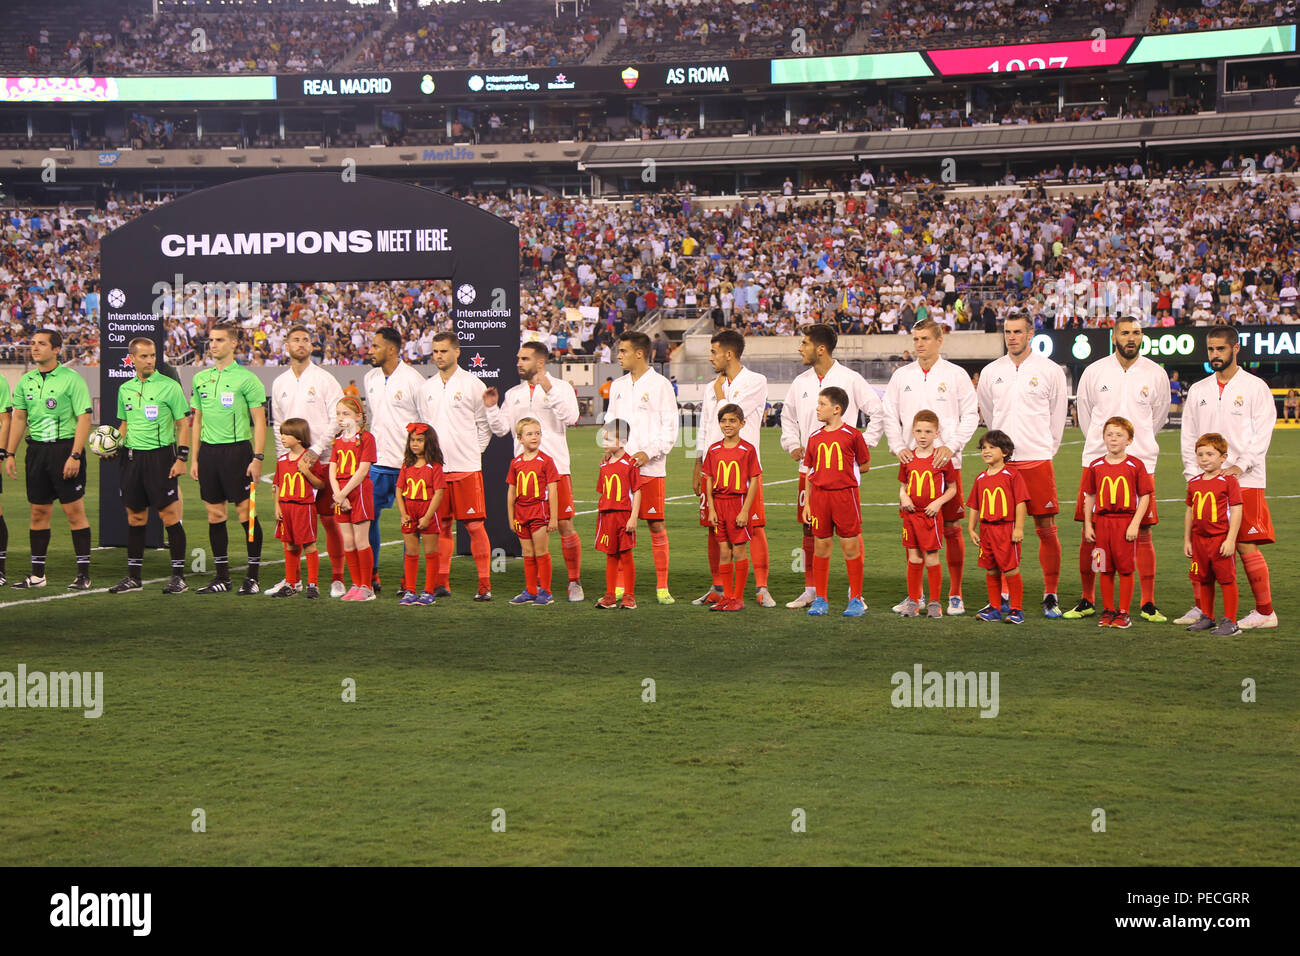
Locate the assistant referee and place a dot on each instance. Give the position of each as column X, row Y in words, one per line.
column 153, row 417
column 52, row 402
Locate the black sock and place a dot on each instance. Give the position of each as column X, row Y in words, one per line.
column 81, row 545
column 219, row 538
column 254, row 549
column 176, row 542
column 135, row 535
column 40, row 546
column 4, row 544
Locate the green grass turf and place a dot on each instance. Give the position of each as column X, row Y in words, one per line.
column 233, row 705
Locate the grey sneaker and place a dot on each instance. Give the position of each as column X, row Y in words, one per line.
column 764, row 598
column 898, row 608
column 935, row 609
column 909, row 608
column 1204, row 624
column 1227, row 628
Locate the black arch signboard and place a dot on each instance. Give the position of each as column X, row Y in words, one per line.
column 315, row 227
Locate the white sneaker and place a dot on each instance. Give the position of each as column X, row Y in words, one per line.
column 901, row 605
column 956, row 605
column 575, row 591
column 338, row 589
column 1191, row 617
column 764, row 598
column 803, row 600
column 1255, row 620
column 273, row 591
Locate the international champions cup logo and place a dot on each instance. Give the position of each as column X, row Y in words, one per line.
column 466, row 294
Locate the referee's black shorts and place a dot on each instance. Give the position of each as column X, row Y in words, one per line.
column 45, row 481
column 144, row 478
column 223, row 472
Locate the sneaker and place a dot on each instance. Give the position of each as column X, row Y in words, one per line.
column 1227, row 628
column 663, row 597
column 820, row 607
column 367, row 594
column 426, row 599
column 275, row 589
column 1107, row 618
column 483, row 595
column 402, row 593
column 712, row 596
column 441, row 592
column 80, row 583
column 128, row 583
column 217, row 585
column 803, row 600
column 719, row 605
column 248, row 587
column 955, row 605
column 628, row 603
column 3, row 580
column 898, row 608
column 523, row 597
column 1191, row 617
column 1051, row 606
column 606, row 601
column 735, row 604
column 285, row 592
column 763, row 598
column 544, row 598
column 1204, row 624
column 575, row 592
column 176, row 585
column 29, row 582
column 1016, row 616
column 338, row 589
column 908, row 608
column 1082, row 609
column 1152, row 613
column 1121, row 620
column 311, row 591
column 989, row 613
column 409, row 598
column 856, row 608
column 1254, row 620
column 935, row 609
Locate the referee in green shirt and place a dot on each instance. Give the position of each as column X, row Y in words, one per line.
column 225, row 398
column 52, row 402
column 6, row 413
column 153, row 417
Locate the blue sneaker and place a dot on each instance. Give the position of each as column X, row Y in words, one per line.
column 543, row 598
column 1051, row 606
column 990, row 613
column 1006, row 605
column 820, row 607
column 857, row 607
column 524, row 597
column 1016, row 617
column 425, row 599
column 409, row 598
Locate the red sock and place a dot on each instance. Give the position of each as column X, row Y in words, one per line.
column 1087, row 576
column 1207, row 599
column 724, row 578
column 956, row 546
column 366, row 562
column 993, row 581
column 758, row 550
column 571, row 548
column 354, row 569
column 821, row 575
column 481, row 549
column 1257, row 575
column 1015, row 591
column 544, row 571
column 410, row 568
column 292, row 565
column 627, row 570
column 809, row 575
column 659, row 550
column 611, row 574
column 740, row 570
column 1125, row 592
column 1108, row 591
column 915, row 572
column 1146, row 563
column 446, row 548
column 530, row 574
column 432, row 565
column 313, row 567
column 854, row 567
column 1049, row 556
column 1230, row 599
column 935, row 572
column 715, row 561
column 334, row 546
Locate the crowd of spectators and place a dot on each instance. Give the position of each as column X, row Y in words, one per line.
column 1219, row 15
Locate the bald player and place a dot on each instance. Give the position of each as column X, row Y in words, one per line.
column 1124, row 384
column 799, row 422
column 1024, row 395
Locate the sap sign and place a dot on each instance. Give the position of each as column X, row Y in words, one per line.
column 689, row 75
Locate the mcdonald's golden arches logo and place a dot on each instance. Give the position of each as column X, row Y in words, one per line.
column 918, row 482
column 416, row 489
column 293, row 485
column 1200, row 500
column 1114, row 484
column 990, row 497
column 1196, row 568
column 728, row 470
column 614, row 487
column 347, row 461
column 826, row 452
column 524, row 478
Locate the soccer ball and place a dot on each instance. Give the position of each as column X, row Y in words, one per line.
column 116, row 298
column 104, row 440
column 465, row 295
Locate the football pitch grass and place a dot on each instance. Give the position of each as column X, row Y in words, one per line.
column 537, row 718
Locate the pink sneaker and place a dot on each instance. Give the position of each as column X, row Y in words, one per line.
column 354, row 593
